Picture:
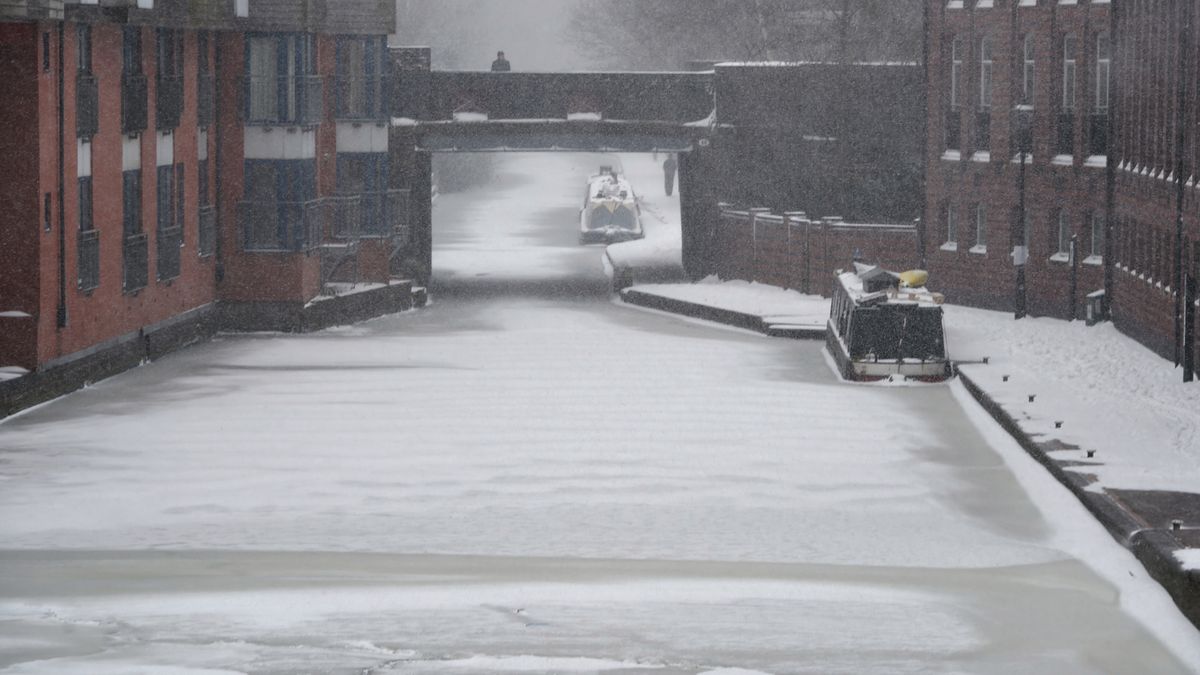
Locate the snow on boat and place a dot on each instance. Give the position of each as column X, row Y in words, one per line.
column 882, row 328
column 610, row 210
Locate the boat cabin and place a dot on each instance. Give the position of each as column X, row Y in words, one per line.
column 880, row 327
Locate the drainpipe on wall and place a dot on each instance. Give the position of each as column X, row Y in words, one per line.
column 929, row 117
column 61, row 314
column 1180, row 279
column 219, row 125
column 1110, row 171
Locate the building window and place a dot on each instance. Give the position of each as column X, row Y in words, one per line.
column 364, row 174
column 1062, row 244
column 131, row 50
column 241, row 8
column 166, row 197
column 279, row 212
column 1028, row 72
column 169, row 77
column 360, row 64
column 84, row 47
column 1066, row 116
column 951, row 226
column 1068, row 73
column 956, row 70
column 983, row 121
column 281, row 86
column 46, row 52
column 953, row 116
column 135, row 246
column 179, row 201
column 205, row 85
column 202, row 60
column 985, row 73
column 1103, row 71
column 47, row 221
column 980, row 227
column 131, row 201
column 1098, row 121
column 168, row 53
column 1097, row 239
column 202, row 176
column 85, row 203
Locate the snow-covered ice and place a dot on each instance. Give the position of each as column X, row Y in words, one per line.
column 528, row 477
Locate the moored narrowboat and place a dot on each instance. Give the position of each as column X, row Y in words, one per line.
column 610, row 212
column 887, row 326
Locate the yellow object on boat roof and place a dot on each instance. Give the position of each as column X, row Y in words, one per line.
column 914, row 278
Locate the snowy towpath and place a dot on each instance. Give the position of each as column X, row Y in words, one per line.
column 526, row 477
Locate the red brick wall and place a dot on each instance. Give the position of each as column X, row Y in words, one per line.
column 261, row 277
column 31, row 122
column 108, row 312
column 20, row 200
column 793, row 252
column 1143, row 157
column 985, row 277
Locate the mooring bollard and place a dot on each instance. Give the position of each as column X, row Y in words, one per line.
column 1006, row 378
column 1176, row 525
column 1091, row 454
column 1031, row 397
column 1058, row 424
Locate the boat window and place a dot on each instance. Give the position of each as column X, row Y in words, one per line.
column 897, row 332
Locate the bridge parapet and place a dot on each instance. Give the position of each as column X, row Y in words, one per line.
column 658, row 97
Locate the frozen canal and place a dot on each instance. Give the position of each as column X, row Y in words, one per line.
column 527, row 477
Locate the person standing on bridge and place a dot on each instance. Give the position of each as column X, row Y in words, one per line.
column 669, row 166
column 501, row 64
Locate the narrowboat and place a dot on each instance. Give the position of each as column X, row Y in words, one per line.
column 610, row 210
column 887, row 326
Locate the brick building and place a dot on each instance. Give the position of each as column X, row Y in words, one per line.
column 163, row 155
column 1061, row 153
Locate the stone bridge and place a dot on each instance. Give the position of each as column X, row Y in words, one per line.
column 799, row 142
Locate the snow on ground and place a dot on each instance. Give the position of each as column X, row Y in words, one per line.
column 1112, row 395
column 777, row 305
column 660, row 248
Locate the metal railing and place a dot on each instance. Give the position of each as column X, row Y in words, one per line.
column 87, row 105
column 133, row 103
column 137, row 262
column 168, row 243
column 347, row 216
column 398, row 213
column 384, row 213
column 208, row 231
column 168, row 95
column 89, row 259
column 283, row 100
column 281, row 226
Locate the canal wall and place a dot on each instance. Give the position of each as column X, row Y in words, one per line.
column 78, row 370
column 795, row 252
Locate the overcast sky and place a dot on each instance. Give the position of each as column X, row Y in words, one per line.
column 530, row 32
